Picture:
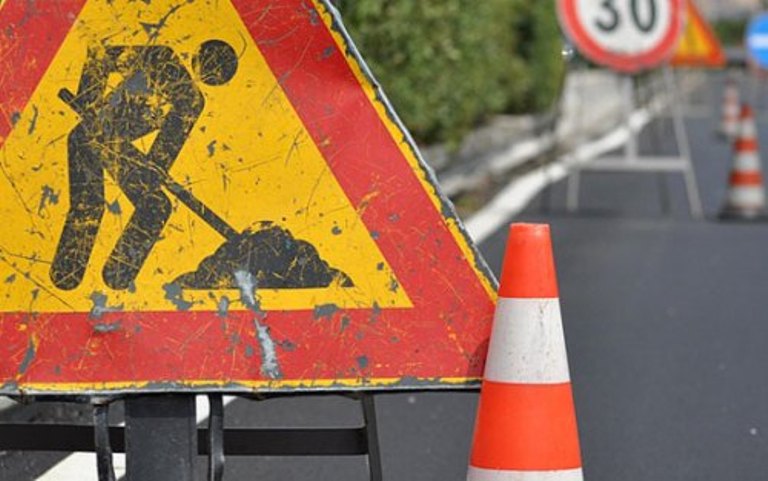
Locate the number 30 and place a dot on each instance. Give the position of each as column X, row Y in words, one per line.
column 612, row 19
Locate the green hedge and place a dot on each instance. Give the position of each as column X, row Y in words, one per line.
column 730, row 31
column 448, row 64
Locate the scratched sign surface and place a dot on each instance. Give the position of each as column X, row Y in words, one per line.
column 213, row 194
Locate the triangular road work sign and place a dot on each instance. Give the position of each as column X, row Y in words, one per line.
column 215, row 195
column 698, row 47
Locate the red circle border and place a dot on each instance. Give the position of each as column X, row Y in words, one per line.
column 566, row 12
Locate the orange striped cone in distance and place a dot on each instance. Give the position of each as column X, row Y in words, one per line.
column 746, row 197
column 729, row 123
column 526, row 424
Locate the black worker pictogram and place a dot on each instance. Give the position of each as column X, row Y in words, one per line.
column 126, row 93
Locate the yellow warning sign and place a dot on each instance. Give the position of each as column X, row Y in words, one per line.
column 698, row 45
column 204, row 194
column 154, row 160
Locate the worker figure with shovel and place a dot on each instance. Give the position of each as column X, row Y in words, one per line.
column 153, row 93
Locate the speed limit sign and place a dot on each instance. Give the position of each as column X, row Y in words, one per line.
column 625, row 35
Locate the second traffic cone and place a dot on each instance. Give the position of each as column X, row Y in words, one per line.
column 526, row 423
column 746, row 196
column 729, row 123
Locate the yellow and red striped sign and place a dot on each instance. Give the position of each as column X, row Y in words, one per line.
column 698, row 46
column 216, row 194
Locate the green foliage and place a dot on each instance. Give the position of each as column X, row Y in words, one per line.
column 541, row 49
column 448, row 64
column 730, row 31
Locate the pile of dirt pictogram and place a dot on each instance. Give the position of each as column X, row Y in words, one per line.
column 275, row 258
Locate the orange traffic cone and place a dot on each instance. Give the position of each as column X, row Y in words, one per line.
column 746, row 196
column 729, row 124
column 526, row 424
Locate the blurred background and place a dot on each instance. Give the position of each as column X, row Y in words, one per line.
column 447, row 67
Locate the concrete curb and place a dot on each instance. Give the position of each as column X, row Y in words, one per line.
column 590, row 98
column 515, row 155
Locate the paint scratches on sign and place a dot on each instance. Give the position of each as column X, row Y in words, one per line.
column 262, row 222
column 269, row 363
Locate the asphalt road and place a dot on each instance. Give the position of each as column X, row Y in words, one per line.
column 666, row 326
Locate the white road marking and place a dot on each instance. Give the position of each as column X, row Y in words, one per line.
column 6, row 403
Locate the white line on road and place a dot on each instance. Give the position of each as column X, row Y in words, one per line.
column 6, row 403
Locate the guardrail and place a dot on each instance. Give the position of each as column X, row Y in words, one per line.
column 589, row 106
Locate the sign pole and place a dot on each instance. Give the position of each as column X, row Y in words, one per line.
column 160, row 438
column 372, row 437
column 684, row 147
column 628, row 104
column 631, row 161
column 648, row 34
column 101, row 441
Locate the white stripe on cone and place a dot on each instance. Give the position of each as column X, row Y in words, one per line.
column 748, row 130
column 480, row 474
column 731, row 110
column 527, row 343
column 747, row 162
column 745, row 197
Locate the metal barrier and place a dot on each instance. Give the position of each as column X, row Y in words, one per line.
column 161, row 440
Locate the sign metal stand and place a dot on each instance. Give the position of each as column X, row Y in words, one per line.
column 160, row 441
column 160, row 438
column 632, row 161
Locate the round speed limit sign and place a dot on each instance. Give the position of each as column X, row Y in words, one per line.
column 625, row 35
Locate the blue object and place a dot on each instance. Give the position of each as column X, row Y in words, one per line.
column 756, row 40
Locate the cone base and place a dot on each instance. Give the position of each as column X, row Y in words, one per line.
column 742, row 214
column 480, row 474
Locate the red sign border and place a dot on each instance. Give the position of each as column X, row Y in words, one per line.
column 569, row 21
column 716, row 58
column 46, row 367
